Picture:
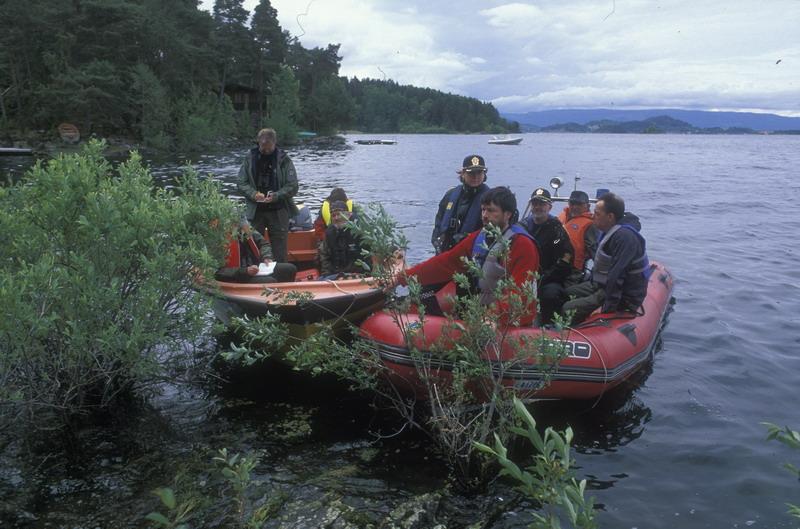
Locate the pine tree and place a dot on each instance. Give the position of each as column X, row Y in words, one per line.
column 272, row 44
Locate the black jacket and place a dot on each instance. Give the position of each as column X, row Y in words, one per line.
column 339, row 252
column 555, row 249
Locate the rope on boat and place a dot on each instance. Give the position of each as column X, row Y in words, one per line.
column 602, row 360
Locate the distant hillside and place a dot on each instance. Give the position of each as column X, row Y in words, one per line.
column 655, row 125
column 697, row 118
column 386, row 106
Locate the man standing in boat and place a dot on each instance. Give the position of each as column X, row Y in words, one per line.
column 459, row 211
column 578, row 221
column 268, row 181
column 498, row 207
column 621, row 268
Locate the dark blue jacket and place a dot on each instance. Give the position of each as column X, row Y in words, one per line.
column 459, row 215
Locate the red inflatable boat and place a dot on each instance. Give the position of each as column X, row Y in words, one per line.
column 602, row 352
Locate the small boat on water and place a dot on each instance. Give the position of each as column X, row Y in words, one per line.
column 505, row 141
column 602, row 352
column 305, row 304
column 375, row 142
column 15, row 151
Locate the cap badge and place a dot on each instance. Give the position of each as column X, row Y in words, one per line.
column 475, row 160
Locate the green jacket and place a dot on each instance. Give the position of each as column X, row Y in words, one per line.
column 287, row 181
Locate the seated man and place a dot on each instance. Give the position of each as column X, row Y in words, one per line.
column 498, row 206
column 325, row 214
column 577, row 220
column 341, row 249
column 247, row 251
column 621, row 268
column 555, row 253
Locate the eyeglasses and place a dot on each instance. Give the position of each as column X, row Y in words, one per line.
column 576, row 203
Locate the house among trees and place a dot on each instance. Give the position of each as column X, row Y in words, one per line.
column 243, row 97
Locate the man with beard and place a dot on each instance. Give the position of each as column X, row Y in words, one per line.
column 498, row 207
column 268, row 181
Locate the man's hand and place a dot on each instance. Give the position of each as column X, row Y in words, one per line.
column 252, row 270
column 259, row 197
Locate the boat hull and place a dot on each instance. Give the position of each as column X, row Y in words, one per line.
column 320, row 303
column 602, row 352
column 508, row 141
column 375, row 142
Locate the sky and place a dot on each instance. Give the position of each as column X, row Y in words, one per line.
column 539, row 55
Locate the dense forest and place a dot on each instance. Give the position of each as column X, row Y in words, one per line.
column 175, row 76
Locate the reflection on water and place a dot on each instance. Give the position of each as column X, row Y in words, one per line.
column 13, row 167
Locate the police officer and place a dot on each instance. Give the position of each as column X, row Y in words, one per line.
column 459, row 211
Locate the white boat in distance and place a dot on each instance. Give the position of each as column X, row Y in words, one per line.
column 375, row 142
column 505, row 141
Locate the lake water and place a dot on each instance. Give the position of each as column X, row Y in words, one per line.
column 684, row 448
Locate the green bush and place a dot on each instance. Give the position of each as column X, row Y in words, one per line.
column 790, row 438
column 201, row 119
column 549, row 479
column 224, row 493
column 153, row 107
column 96, row 297
column 284, row 105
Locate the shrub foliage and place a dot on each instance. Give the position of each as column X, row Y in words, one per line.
column 461, row 398
column 96, row 296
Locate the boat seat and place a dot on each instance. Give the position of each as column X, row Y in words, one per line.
column 301, row 246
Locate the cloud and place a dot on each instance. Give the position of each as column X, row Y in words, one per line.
column 401, row 41
column 568, row 53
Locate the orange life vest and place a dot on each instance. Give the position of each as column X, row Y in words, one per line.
column 576, row 229
column 234, row 258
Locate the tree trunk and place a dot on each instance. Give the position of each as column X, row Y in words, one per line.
column 16, row 83
column 3, row 105
column 222, row 83
column 260, row 90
